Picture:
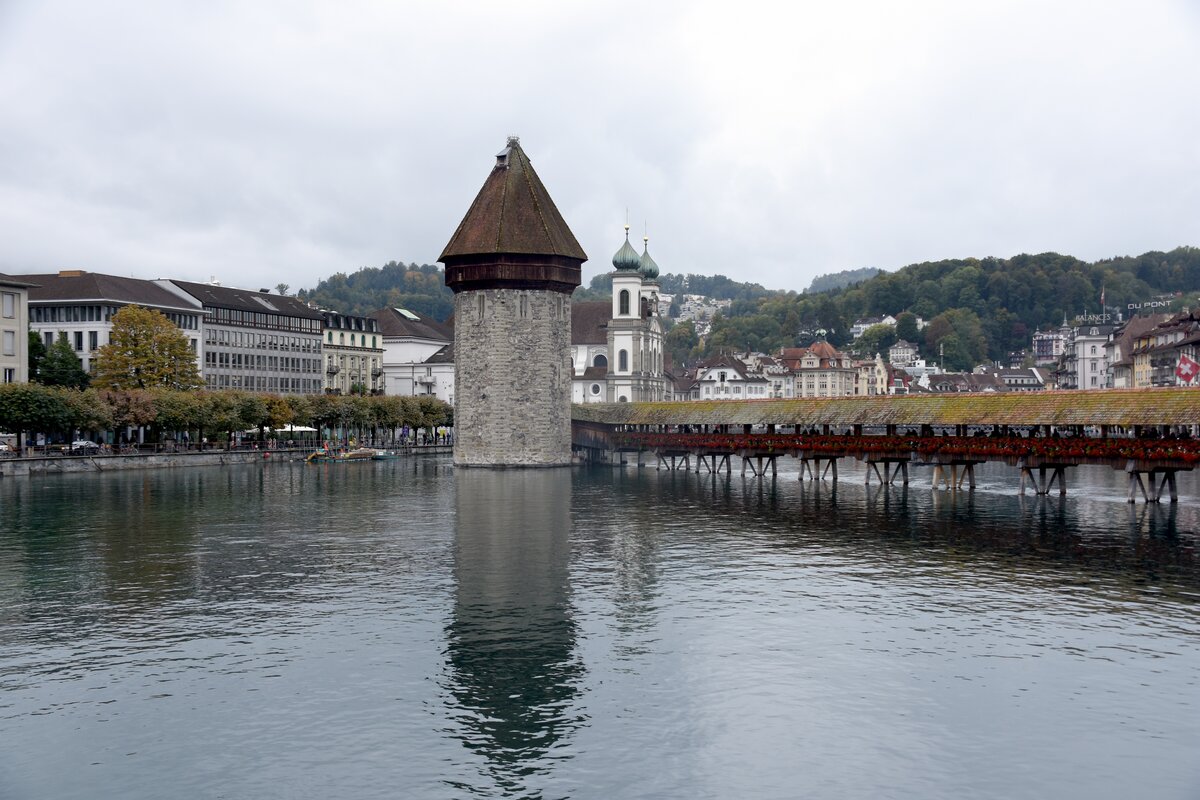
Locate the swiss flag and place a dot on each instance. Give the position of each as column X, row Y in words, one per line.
column 1187, row 369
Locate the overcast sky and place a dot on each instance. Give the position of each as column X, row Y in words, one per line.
column 261, row 143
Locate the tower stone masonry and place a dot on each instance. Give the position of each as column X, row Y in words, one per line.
column 512, row 264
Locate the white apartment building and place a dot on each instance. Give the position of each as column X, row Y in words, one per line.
column 81, row 306
column 14, row 324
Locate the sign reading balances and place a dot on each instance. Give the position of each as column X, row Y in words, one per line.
column 1187, row 369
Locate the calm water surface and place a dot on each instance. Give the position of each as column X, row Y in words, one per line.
column 400, row 629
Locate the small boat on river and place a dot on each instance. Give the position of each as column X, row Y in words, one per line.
column 327, row 454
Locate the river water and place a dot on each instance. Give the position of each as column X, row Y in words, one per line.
column 402, row 629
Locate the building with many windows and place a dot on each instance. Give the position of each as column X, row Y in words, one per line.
column 353, row 352
column 14, row 324
column 821, row 370
column 256, row 341
column 80, row 305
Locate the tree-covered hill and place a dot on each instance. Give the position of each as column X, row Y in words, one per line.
column 977, row 308
column 840, row 280
column 420, row 289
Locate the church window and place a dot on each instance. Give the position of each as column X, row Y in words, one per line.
column 623, row 361
column 624, row 302
column 600, row 360
column 595, row 388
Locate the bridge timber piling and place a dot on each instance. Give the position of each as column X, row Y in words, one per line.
column 1151, row 434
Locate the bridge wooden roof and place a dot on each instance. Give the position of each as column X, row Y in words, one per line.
column 1165, row 406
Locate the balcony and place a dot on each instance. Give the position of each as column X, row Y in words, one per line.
column 332, row 369
column 377, row 373
column 427, row 380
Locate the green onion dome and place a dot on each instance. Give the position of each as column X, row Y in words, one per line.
column 626, row 258
column 646, row 264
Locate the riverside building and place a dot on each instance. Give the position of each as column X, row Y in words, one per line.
column 81, row 305
column 256, row 341
column 353, row 353
column 14, row 322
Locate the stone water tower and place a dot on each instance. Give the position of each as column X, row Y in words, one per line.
column 512, row 264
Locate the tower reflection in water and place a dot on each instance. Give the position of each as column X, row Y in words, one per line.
column 513, row 670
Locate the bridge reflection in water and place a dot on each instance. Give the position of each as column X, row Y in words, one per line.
column 1148, row 434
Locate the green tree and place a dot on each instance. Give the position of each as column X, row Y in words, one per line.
column 61, row 367
column 680, row 342
column 906, row 327
column 959, row 333
column 875, row 340
column 37, row 351
column 29, row 408
column 146, row 351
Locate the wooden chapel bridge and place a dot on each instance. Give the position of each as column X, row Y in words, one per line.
column 1151, row 434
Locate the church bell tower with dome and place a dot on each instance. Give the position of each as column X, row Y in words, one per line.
column 512, row 265
column 635, row 335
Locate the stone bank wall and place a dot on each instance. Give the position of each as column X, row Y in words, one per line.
column 512, row 374
column 11, row 467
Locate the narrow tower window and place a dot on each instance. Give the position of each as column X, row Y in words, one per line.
column 623, row 360
column 624, row 302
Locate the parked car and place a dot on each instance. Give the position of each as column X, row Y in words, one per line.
column 84, row 446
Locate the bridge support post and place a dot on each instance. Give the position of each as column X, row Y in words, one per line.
column 815, row 472
column 1152, row 489
column 891, row 470
column 760, row 471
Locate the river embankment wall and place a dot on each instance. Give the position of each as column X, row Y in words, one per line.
column 48, row 465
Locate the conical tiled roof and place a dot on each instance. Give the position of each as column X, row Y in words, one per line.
column 513, row 214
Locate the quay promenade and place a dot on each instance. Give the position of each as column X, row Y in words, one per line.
column 1151, row 434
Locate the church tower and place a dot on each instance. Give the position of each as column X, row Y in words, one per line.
column 512, row 265
column 635, row 337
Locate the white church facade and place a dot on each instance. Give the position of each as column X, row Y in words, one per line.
column 617, row 346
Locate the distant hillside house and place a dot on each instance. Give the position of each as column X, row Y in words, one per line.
column 1049, row 346
column 728, row 378
column 860, row 325
column 902, row 353
column 820, row 370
